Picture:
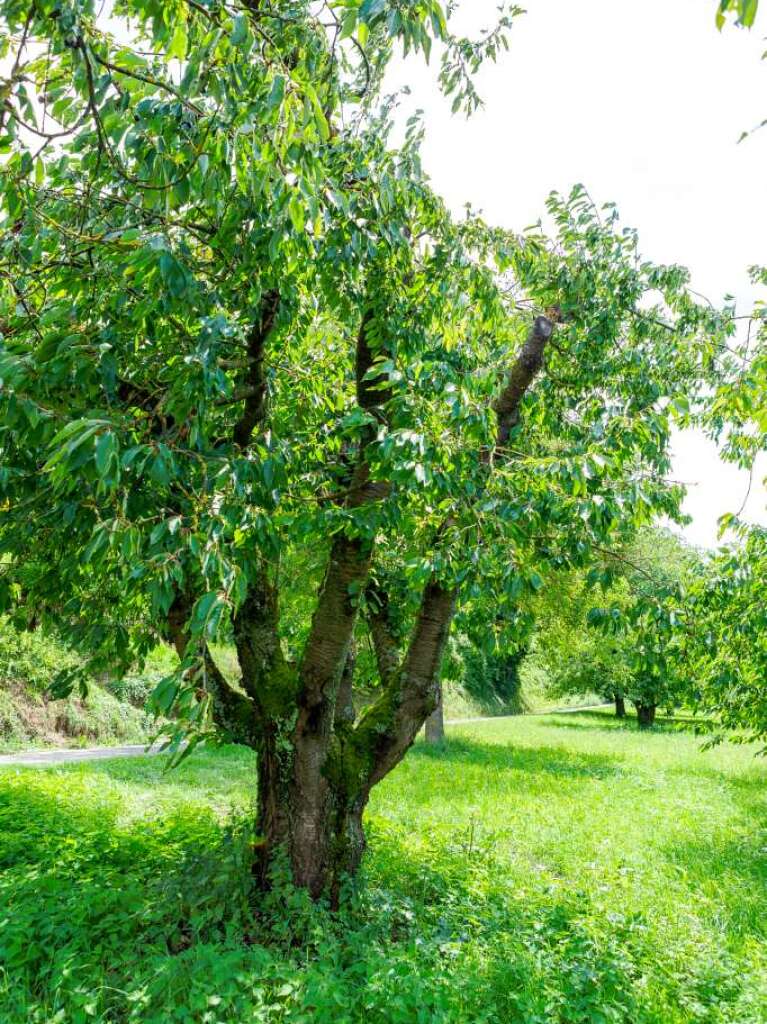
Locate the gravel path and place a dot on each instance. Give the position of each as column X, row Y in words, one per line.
column 63, row 756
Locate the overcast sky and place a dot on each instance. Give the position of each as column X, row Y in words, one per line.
column 643, row 103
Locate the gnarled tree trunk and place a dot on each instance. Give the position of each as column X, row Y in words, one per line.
column 316, row 765
column 620, row 706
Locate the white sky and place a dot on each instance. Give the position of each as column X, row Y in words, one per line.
column 643, row 103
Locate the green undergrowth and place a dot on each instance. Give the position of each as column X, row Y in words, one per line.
column 555, row 870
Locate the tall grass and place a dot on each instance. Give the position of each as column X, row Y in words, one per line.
column 553, row 870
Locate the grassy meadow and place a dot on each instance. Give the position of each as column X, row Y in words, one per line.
column 543, row 870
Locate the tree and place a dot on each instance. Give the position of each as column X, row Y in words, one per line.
column 576, row 659
column 633, row 651
column 243, row 339
column 727, row 651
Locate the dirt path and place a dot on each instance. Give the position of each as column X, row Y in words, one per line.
column 65, row 756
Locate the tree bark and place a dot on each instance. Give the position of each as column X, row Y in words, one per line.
column 435, row 723
column 319, row 796
column 620, row 706
column 316, row 772
column 411, row 685
column 254, row 408
column 345, row 713
column 646, row 715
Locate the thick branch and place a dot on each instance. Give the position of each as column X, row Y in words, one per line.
column 345, row 714
column 411, row 693
column 522, row 374
column 266, row 676
column 255, row 393
column 382, row 632
column 349, row 563
column 327, row 648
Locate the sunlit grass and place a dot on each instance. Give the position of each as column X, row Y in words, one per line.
column 542, row 869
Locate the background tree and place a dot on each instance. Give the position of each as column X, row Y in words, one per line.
column 632, row 654
column 241, row 335
column 727, row 651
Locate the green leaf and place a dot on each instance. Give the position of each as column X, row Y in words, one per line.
column 240, row 30
column 106, row 453
column 297, row 213
column 372, row 9
column 178, row 42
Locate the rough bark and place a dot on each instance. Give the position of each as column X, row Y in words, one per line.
column 526, row 368
column 345, row 713
column 320, row 797
column 435, row 723
column 620, row 706
column 316, row 773
column 412, row 693
column 388, row 728
column 383, row 633
column 646, row 715
column 254, row 408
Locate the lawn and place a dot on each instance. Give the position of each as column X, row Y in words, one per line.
column 540, row 870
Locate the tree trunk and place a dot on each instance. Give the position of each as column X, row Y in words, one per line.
column 319, row 787
column 317, row 859
column 345, row 712
column 435, row 723
column 646, row 715
column 620, row 706
column 316, row 766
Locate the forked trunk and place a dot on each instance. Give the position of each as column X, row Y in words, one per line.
column 316, row 766
column 620, row 707
column 646, row 715
column 435, row 723
column 318, row 859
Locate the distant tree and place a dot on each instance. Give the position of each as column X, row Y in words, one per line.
column 726, row 652
column 726, row 648
column 614, row 631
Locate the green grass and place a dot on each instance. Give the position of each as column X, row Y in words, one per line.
column 549, row 870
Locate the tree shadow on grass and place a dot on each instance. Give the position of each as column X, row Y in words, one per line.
column 598, row 721
column 150, row 921
column 501, row 757
column 88, row 902
column 155, row 921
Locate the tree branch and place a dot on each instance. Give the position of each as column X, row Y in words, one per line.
column 410, row 692
column 233, row 711
column 255, row 392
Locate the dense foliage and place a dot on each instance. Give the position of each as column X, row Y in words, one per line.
column 726, row 647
